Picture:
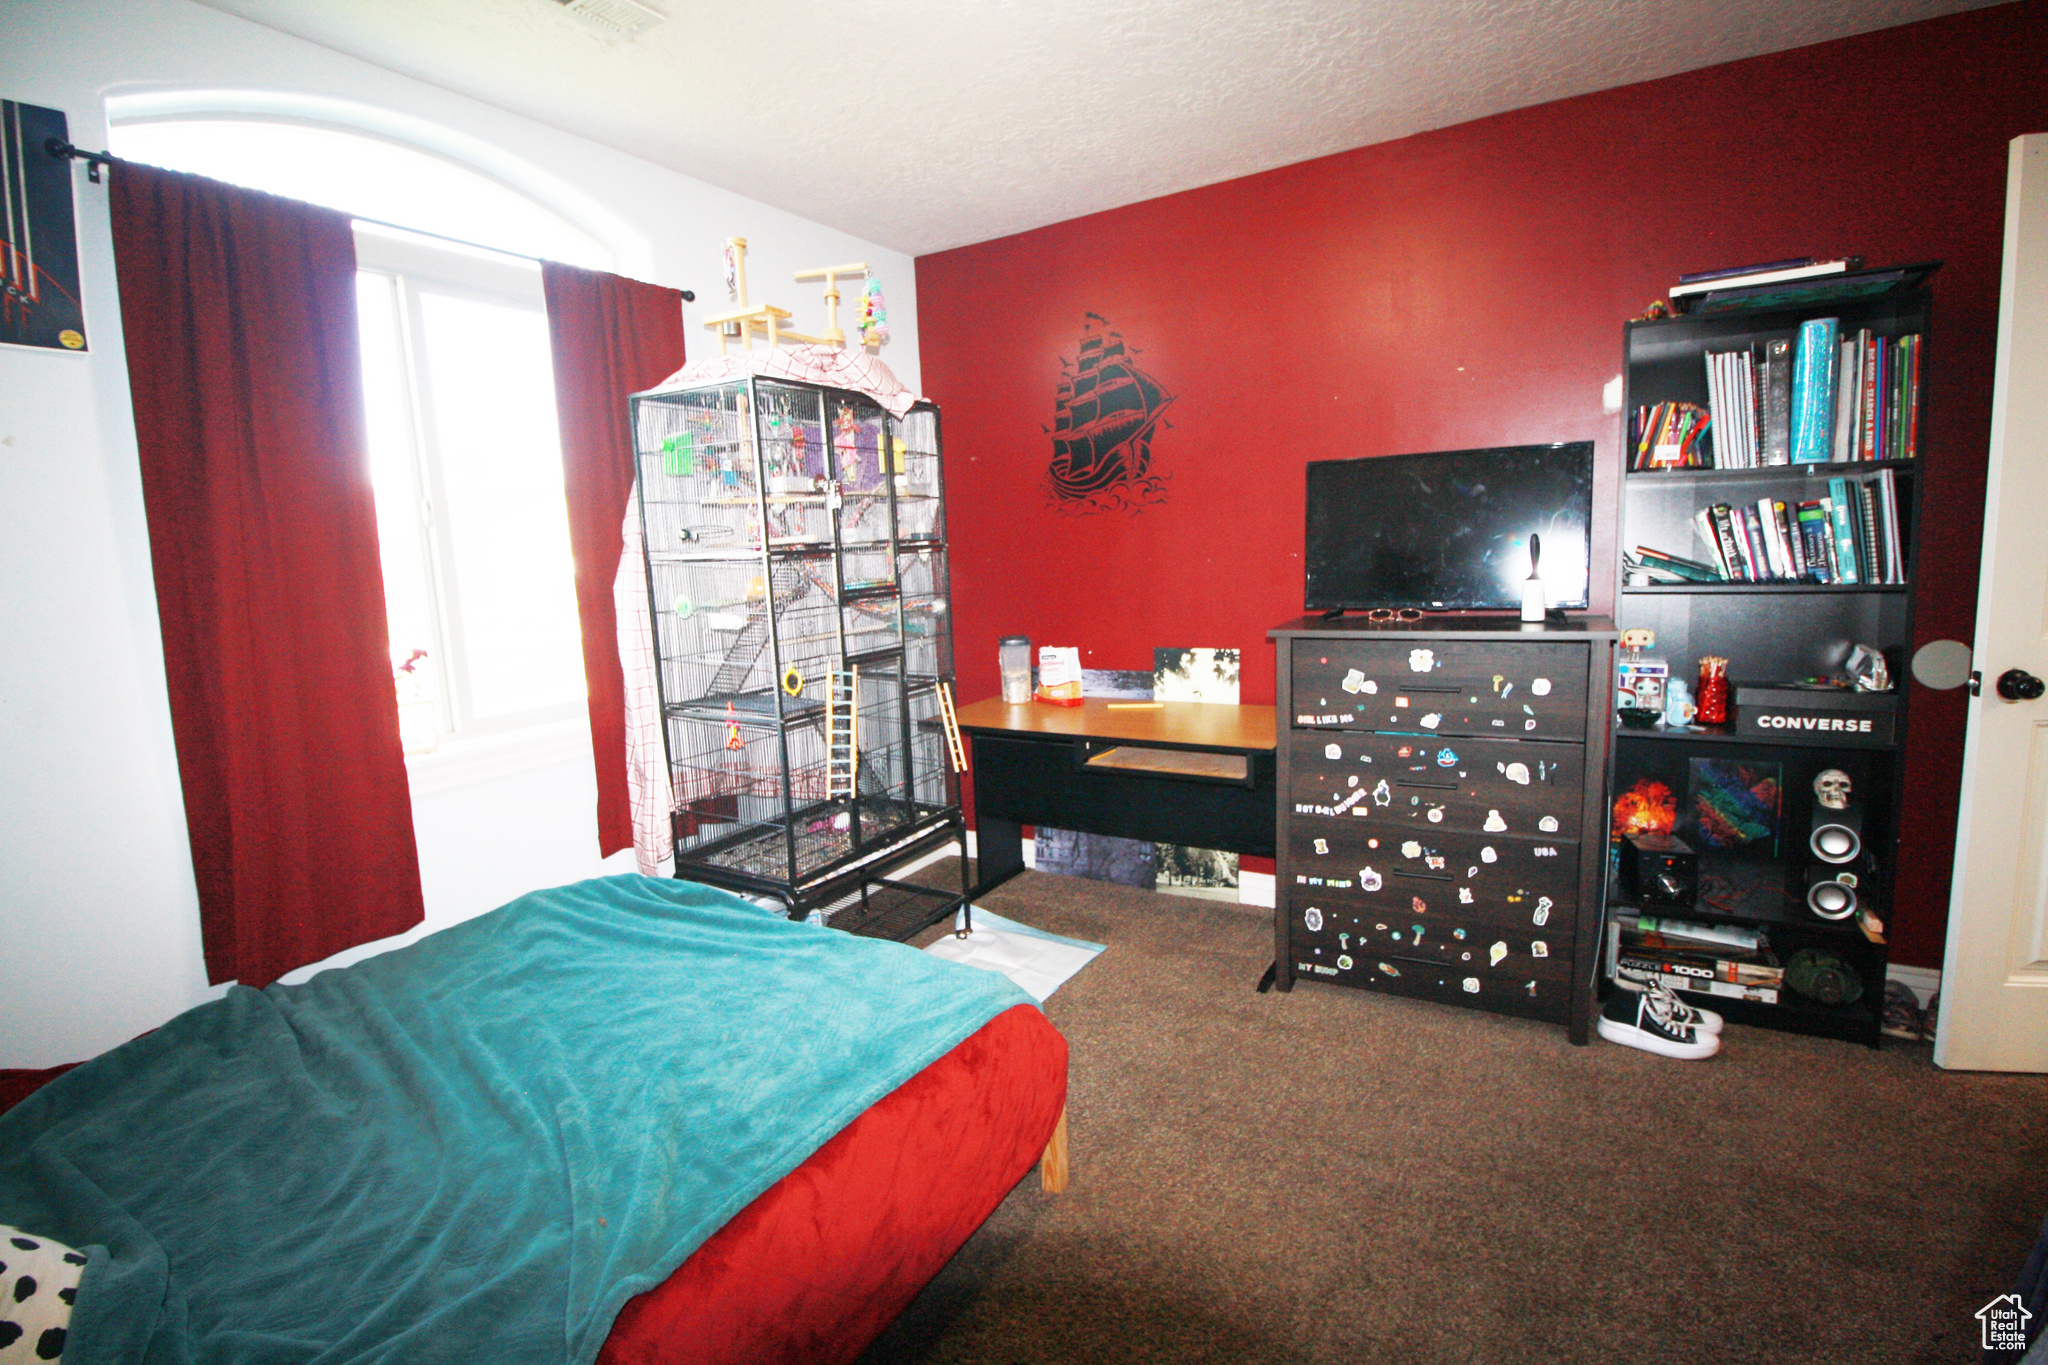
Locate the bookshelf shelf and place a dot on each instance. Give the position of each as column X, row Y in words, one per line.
column 1722, row 734
column 1771, row 631
column 1702, row 914
column 1775, row 589
column 1647, row 478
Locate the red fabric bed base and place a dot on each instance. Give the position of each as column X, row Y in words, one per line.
column 814, row 1269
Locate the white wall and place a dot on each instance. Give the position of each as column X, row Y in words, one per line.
column 99, row 932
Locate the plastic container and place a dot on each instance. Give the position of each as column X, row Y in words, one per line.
column 1014, row 657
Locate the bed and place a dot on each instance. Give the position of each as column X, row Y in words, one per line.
column 631, row 1120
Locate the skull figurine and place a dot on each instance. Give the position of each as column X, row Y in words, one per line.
column 1831, row 788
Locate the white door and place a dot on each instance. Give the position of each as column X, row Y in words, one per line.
column 1994, row 982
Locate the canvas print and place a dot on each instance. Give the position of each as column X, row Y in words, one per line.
column 1208, row 873
column 1126, row 862
column 1195, row 675
column 1646, row 807
column 1120, row 684
column 39, row 295
column 1736, row 805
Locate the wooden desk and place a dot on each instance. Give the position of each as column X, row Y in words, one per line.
column 1192, row 773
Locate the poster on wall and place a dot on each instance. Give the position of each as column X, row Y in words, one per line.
column 38, row 235
column 1105, row 413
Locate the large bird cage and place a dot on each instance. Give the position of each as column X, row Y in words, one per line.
column 796, row 564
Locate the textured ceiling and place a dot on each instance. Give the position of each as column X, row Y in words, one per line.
column 926, row 124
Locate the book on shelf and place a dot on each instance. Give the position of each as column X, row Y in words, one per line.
column 1727, row 990
column 1688, row 955
column 1775, row 272
column 1822, row 397
column 1670, row 568
column 1657, row 931
column 1776, row 386
column 1703, row 526
column 1849, row 536
column 1813, row 390
column 1816, row 293
column 1743, row 969
column 1817, row 533
column 1728, row 272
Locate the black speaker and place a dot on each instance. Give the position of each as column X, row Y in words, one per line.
column 1832, row 893
column 1658, row 869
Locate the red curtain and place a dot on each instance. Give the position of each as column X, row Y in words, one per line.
column 611, row 337
column 240, row 322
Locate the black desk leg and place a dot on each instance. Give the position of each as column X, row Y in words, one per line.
column 998, row 852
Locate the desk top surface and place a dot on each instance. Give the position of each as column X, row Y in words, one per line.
column 1192, row 723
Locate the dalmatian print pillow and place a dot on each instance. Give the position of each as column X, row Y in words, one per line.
column 38, row 1284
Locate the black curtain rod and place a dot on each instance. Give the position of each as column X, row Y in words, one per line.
column 61, row 149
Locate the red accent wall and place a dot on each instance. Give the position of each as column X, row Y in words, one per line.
column 1468, row 287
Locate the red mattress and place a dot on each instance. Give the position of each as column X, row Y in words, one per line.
column 815, row 1268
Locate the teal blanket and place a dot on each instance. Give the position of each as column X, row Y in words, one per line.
column 476, row 1148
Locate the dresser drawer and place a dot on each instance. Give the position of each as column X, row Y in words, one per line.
column 1456, row 962
column 1480, row 786
column 1328, row 930
column 1442, row 687
column 1496, row 880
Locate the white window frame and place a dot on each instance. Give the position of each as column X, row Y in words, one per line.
column 409, row 262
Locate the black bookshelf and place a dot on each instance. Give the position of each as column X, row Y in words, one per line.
column 1771, row 632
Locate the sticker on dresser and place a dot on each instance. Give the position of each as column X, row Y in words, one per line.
column 1448, row 687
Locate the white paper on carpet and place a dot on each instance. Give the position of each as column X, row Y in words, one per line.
column 1037, row 961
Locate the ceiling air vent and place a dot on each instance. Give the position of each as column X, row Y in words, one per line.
column 612, row 18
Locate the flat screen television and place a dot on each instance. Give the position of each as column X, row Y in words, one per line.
column 1449, row 531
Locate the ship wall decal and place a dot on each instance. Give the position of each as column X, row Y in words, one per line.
column 1104, row 417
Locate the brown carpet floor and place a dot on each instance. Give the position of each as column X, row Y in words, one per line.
column 1327, row 1176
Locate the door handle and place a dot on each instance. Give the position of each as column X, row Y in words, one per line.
column 2016, row 684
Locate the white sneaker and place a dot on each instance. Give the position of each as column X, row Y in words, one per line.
column 1644, row 1019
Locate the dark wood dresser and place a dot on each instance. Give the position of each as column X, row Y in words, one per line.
column 1442, row 809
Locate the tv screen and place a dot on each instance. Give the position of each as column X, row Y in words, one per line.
column 1449, row 531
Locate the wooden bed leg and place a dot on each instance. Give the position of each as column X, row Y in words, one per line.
column 1052, row 1167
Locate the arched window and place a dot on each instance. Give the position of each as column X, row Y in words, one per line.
column 459, row 402
column 363, row 175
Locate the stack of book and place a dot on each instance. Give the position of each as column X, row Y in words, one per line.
column 1736, row 963
column 1849, row 536
column 1818, row 398
column 1691, row 288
